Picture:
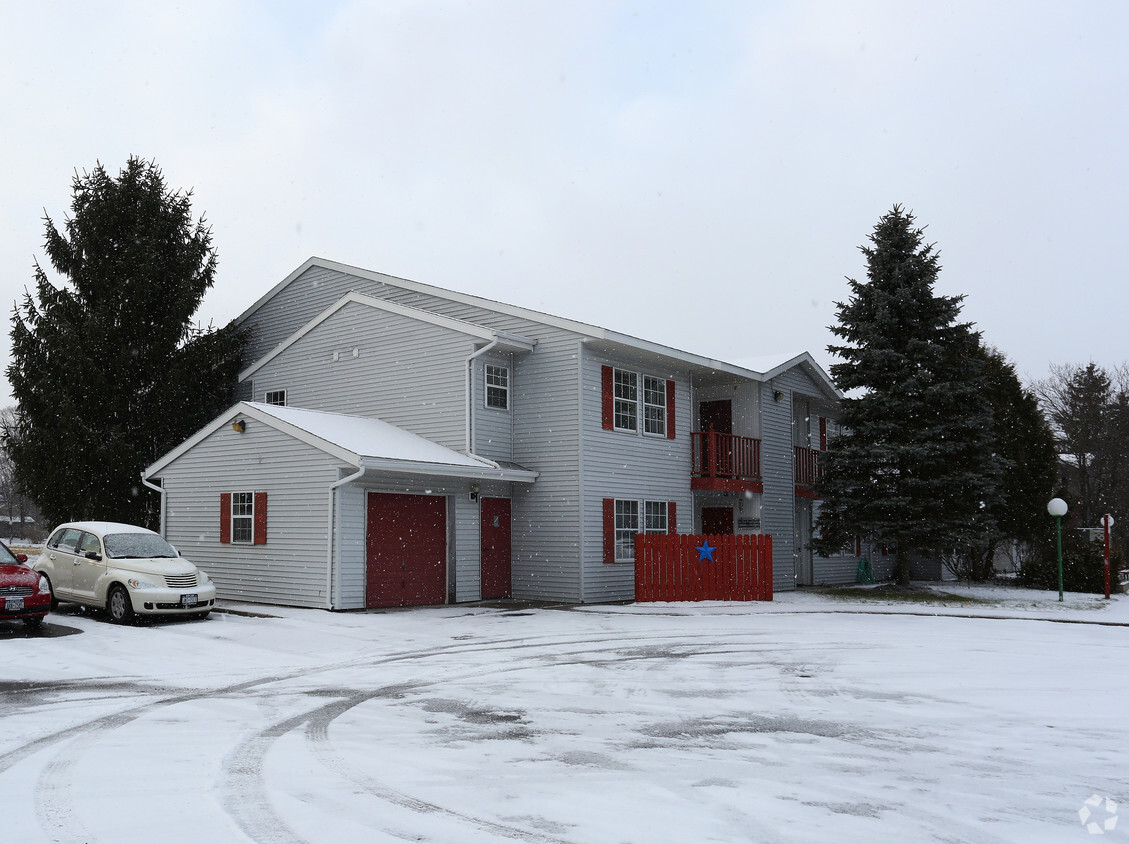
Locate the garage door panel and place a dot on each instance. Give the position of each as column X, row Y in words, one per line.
column 406, row 550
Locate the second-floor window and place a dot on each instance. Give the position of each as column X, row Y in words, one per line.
column 277, row 397
column 637, row 402
column 497, row 387
column 626, row 400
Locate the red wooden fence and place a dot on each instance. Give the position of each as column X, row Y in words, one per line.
column 669, row 567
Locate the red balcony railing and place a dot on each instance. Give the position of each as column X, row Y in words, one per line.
column 808, row 469
column 719, row 455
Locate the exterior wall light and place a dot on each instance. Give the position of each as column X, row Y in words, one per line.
column 239, row 426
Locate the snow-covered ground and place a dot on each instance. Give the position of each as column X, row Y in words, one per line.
column 807, row 719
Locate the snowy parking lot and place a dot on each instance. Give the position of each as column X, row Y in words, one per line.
column 807, row 719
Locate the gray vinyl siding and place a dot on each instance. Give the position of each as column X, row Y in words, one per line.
column 291, row 568
column 626, row 465
column 349, row 583
column 493, row 428
column 546, row 520
column 779, row 483
column 778, row 514
column 406, row 372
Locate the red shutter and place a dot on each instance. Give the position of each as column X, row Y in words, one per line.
column 670, row 410
column 225, row 517
column 260, row 535
column 858, row 546
column 607, row 398
column 609, row 530
column 671, row 517
column 823, row 433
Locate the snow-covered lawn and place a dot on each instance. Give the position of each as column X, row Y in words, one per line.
column 807, row 719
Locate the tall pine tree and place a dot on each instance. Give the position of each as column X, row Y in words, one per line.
column 913, row 467
column 108, row 370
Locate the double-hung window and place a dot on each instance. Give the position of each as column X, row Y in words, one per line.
column 625, row 517
column 497, row 387
column 637, row 402
column 626, row 401
column 242, row 517
column 654, row 406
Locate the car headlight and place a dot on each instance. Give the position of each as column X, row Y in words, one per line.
column 203, row 576
column 44, row 585
column 139, row 583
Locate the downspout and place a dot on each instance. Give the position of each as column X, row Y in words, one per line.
column 470, row 392
column 161, row 490
column 331, row 537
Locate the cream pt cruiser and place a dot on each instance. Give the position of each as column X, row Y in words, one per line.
column 123, row 569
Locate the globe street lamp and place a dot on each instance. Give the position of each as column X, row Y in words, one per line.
column 1107, row 523
column 1057, row 508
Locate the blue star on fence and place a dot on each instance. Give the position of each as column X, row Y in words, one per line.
column 705, row 551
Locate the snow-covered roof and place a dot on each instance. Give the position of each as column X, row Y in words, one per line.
column 357, row 440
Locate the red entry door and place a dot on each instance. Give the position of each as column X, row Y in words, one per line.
column 496, row 548
column 717, row 521
column 406, row 550
column 716, row 416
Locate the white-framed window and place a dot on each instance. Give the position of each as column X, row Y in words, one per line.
column 276, row 397
column 639, row 403
column 497, row 387
column 626, row 526
column 654, row 517
column 626, row 400
column 632, row 517
column 243, row 517
column 654, row 406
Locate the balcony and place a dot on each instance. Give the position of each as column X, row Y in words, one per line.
column 725, row 462
column 808, row 470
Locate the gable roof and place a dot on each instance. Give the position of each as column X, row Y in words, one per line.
column 505, row 340
column 586, row 331
column 358, row 441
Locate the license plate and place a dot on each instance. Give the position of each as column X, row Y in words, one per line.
column 13, row 603
column 189, row 600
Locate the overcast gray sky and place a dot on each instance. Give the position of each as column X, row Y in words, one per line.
column 700, row 174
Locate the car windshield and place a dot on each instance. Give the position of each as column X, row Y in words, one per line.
column 137, row 545
column 7, row 558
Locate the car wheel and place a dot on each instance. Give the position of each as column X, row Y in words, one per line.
column 54, row 600
column 118, row 605
column 33, row 622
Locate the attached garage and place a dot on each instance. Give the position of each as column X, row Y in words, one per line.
column 362, row 513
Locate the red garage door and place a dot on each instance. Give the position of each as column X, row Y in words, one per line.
column 406, row 553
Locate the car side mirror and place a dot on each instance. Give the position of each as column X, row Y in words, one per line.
column 21, row 557
column 93, row 555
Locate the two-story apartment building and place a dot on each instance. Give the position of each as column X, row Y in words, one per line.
column 403, row 444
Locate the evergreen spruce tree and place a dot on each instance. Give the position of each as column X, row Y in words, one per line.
column 108, row 370
column 1025, row 446
column 913, row 467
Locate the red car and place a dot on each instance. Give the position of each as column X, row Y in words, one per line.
column 24, row 593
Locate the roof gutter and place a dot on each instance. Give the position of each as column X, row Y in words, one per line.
column 161, row 490
column 333, row 548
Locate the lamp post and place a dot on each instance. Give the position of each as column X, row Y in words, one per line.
column 1107, row 523
column 1057, row 508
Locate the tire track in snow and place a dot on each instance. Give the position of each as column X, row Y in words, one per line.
column 55, row 788
column 246, row 797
